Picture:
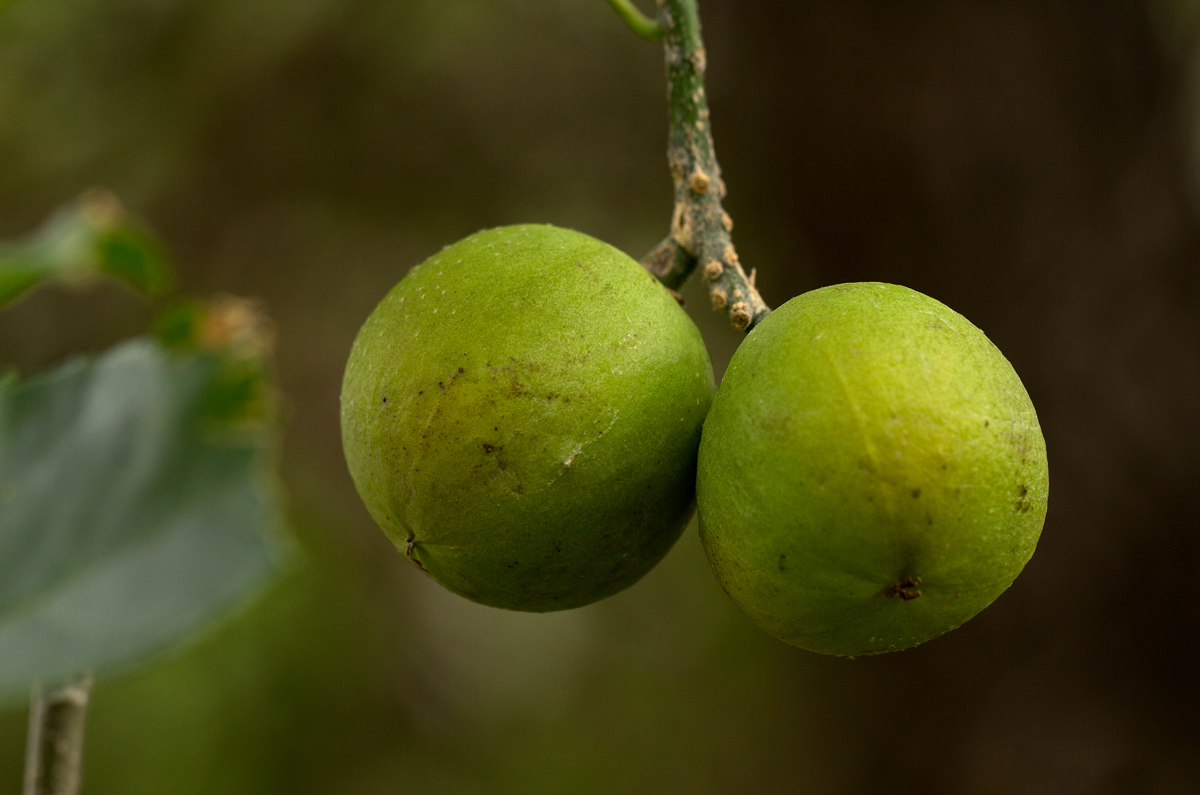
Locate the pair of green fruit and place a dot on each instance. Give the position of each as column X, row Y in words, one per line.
column 529, row 416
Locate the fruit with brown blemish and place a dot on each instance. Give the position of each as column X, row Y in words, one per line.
column 872, row 473
column 521, row 416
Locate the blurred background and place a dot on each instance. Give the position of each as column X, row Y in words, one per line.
column 1029, row 163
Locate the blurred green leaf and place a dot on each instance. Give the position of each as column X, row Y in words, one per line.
column 93, row 236
column 181, row 325
column 137, row 503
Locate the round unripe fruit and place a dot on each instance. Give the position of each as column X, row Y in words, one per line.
column 872, row 473
column 521, row 416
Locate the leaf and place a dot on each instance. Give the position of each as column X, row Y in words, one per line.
column 137, row 504
column 94, row 236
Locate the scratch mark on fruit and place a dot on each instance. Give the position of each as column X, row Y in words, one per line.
column 578, row 448
column 408, row 552
column 860, row 419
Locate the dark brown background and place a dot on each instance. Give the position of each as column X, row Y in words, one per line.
column 1027, row 163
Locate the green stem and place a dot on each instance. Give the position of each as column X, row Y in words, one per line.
column 54, row 757
column 638, row 22
column 700, row 228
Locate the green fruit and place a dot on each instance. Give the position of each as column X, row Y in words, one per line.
column 872, row 473
column 521, row 416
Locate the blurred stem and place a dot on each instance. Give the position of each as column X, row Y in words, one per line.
column 54, row 756
column 638, row 22
column 700, row 227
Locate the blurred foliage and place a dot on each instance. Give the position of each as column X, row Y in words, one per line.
column 135, row 492
column 1020, row 161
column 94, row 236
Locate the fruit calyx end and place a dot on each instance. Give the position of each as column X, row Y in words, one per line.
column 906, row 589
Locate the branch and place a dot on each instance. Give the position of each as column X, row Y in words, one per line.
column 638, row 22
column 700, row 228
column 54, row 756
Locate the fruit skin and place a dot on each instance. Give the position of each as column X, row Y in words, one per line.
column 521, row 416
column 872, row 473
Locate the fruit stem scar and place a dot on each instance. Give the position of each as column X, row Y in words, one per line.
column 700, row 227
